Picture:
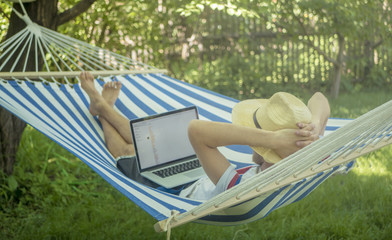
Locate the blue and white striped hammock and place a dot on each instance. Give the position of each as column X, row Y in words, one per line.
column 60, row 111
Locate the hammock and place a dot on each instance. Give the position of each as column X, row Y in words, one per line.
column 59, row 109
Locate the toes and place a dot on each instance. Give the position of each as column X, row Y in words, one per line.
column 86, row 76
column 107, row 85
column 115, row 85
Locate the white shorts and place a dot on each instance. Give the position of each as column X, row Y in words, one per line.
column 204, row 188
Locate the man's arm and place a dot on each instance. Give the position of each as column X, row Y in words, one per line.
column 319, row 107
column 207, row 136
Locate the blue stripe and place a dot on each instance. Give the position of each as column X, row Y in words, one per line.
column 125, row 110
column 241, row 217
column 241, row 148
column 170, row 94
column 132, row 98
column 331, row 128
column 117, row 175
column 191, row 93
column 201, row 89
column 30, row 100
column 120, row 104
column 297, row 188
column 264, row 203
column 160, row 101
column 184, row 102
column 137, row 101
column 17, row 88
column 283, row 199
column 237, row 181
column 78, row 91
column 317, row 184
column 114, row 172
column 94, row 134
column 38, row 93
column 210, row 115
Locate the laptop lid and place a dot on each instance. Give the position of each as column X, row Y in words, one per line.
column 162, row 139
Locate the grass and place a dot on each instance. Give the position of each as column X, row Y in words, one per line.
column 53, row 195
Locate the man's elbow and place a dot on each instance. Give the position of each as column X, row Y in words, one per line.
column 193, row 129
column 319, row 95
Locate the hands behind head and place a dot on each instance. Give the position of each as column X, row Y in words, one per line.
column 309, row 130
column 291, row 140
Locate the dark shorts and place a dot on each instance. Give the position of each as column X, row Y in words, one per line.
column 128, row 166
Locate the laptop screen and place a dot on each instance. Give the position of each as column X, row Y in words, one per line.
column 162, row 138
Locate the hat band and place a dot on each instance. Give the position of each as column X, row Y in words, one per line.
column 255, row 119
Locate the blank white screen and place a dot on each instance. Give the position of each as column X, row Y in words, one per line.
column 163, row 139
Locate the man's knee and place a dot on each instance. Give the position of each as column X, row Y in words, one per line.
column 125, row 150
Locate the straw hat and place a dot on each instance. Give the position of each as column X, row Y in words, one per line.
column 282, row 110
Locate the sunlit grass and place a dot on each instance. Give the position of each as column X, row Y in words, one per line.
column 375, row 164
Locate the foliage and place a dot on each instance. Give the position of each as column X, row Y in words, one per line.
column 4, row 13
column 280, row 41
column 232, row 8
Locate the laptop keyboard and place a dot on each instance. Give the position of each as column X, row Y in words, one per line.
column 183, row 167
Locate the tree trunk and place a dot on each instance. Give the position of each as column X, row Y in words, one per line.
column 44, row 13
column 11, row 127
column 338, row 68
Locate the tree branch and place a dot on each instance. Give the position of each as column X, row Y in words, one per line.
column 377, row 44
column 73, row 12
column 311, row 44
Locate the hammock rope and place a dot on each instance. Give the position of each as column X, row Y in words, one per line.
column 74, row 55
column 60, row 111
column 278, row 174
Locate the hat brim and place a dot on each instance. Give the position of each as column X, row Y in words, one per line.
column 242, row 114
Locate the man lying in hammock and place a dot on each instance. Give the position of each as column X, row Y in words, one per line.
column 274, row 128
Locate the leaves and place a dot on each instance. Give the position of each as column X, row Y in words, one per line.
column 232, row 8
column 12, row 183
column 284, row 41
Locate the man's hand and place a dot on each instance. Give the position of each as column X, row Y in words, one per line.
column 288, row 141
column 310, row 130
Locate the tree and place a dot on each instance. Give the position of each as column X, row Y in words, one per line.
column 342, row 24
column 45, row 13
column 343, row 20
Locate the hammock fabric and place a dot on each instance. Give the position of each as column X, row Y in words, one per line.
column 60, row 111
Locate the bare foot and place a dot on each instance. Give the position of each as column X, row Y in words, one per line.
column 110, row 92
column 87, row 83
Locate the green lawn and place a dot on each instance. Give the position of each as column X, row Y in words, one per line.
column 53, row 195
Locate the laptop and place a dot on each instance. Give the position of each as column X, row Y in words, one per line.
column 163, row 151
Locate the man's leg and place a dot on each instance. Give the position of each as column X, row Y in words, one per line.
column 116, row 129
column 104, row 108
column 114, row 141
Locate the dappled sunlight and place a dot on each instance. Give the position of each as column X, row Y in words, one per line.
column 378, row 163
